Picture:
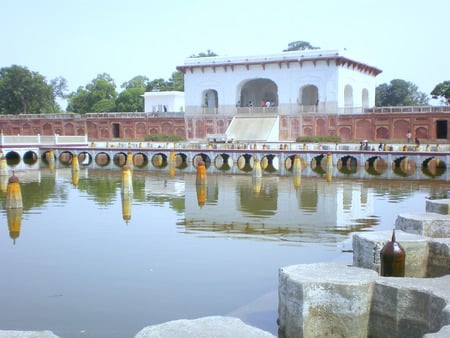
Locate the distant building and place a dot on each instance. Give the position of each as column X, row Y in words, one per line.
column 292, row 84
column 160, row 102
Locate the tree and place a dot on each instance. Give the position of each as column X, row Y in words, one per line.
column 59, row 86
column 139, row 81
column 23, row 91
column 157, row 85
column 130, row 100
column 299, row 45
column 208, row 53
column 99, row 94
column 399, row 93
column 177, row 81
column 442, row 90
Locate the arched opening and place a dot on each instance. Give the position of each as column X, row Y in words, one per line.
column 348, row 99
column 65, row 158
column 210, row 101
column 261, row 93
column 12, row 158
column 308, row 98
column 441, row 129
column 30, row 157
column 365, row 98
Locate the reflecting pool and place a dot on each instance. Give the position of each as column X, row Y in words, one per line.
column 84, row 259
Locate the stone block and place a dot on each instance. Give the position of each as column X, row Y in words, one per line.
column 367, row 247
column 214, row 326
column 324, row 300
column 438, row 257
column 409, row 307
column 427, row 224
column 27, row 334
column 440, row 206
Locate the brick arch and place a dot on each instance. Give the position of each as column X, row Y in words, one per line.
column 421, row 133
column 345, row 133
column 47, row 129
column 295, row 130
column 69, row 129
column 166, row 128
column 382, row 133
column 26, row 129
column 180, row 132
column 92, row 130
column 308, row 131
column 363, row 129
column 129, row 133
column 140, row 130
column 321, row 127
column 401, row 127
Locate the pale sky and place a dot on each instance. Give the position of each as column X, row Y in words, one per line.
column 406, row 39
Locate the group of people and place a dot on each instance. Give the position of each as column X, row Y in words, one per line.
column 408, row 137
column 267, row 103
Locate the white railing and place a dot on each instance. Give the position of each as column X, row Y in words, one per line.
column 38, row 140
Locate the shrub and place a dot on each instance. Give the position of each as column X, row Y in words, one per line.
column 318, row 139
column 164, row 138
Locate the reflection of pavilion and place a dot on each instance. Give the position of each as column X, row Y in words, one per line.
column 233, row 204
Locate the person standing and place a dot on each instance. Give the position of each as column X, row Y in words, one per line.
column 408, row 136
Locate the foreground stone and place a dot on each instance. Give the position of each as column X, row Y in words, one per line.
column 367, row 247
column 27, row 334
column 334, row 300
column 426, row 224
column 440, row 206
column 215, row 326
column 325, row 300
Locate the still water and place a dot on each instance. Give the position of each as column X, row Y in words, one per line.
column 89, row 261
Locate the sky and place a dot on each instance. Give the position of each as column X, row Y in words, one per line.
column 406, row 39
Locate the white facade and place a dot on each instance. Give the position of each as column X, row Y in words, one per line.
column 159, row 102
column 324, row 81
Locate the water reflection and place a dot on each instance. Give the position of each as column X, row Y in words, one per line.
column 115, row 259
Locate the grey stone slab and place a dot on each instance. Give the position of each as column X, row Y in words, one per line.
column 324, row 299
column 409, row 307
column 438, row 257
column 440, row 206
column 367, row 247
column 206, row 327
column 27, row 334
column 428, row 224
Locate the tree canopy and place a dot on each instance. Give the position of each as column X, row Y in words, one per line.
column 203, row 54
column 399, row 93
column 442, row 91
column 25, row 92
column 299, row 45
column 98, row 96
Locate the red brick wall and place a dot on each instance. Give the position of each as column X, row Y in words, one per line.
column 373, row 126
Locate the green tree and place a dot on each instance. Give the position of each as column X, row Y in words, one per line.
column 399, row 93
column 442, row 90
column 130, row 100
column 157, row 85
column 23, row 91
column 139, row 81
column 98, row 94
column 59, row 86
column 177, row 81
column 299, row 45
column 204, row 55
column 104, row 106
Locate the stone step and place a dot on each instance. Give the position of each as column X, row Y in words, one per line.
column 440, row 206
column 427, row 224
